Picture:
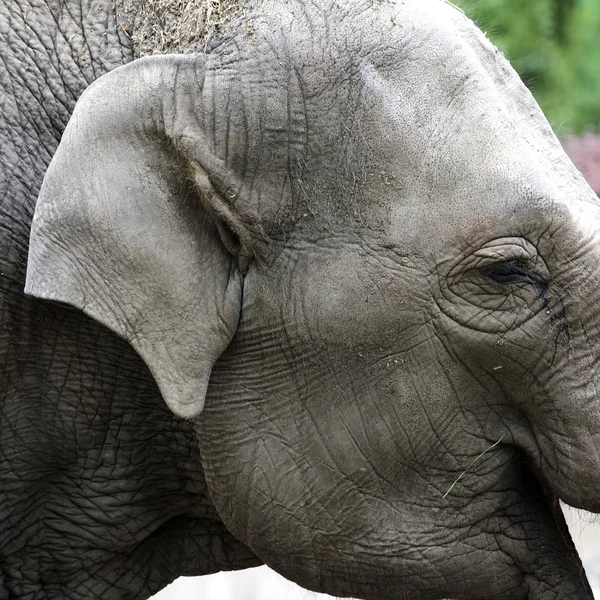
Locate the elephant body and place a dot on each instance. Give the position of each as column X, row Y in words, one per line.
column 343, row 246
column 102, row 494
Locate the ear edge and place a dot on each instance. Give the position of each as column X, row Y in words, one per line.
column 36, row 286
column 60, row 278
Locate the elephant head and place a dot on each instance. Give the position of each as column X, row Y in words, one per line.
column 351, row 250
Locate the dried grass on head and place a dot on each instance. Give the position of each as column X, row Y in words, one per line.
column 174, row 26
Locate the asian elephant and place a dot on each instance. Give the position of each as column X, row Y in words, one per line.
column 343, row 246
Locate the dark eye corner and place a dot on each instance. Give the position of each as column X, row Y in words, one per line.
column 511, row 271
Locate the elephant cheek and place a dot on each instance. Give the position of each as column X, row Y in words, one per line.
column 542, row 385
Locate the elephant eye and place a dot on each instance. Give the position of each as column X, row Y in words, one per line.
column 511, row 271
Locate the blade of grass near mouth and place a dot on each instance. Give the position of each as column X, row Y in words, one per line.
column 472, row 463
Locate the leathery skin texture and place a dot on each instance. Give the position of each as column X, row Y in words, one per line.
column 101, row 490
column 361, row 271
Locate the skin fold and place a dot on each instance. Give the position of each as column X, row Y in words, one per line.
column 345, row 247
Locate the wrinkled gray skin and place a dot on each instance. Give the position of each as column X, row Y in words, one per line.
column 102, row 495
column 353, row 255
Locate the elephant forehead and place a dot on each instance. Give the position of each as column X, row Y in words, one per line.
column 452, row 139
column 410, row 90
column 449, row 107
column 399, row 106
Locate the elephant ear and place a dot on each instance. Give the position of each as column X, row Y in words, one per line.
column 122, row 231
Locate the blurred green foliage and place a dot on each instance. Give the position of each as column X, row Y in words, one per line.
column 555, row 47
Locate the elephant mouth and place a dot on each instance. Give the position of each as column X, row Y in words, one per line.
column 561, row 523
column 553, row 502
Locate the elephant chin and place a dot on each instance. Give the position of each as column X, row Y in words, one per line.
column 554, row 503
column 559, row 517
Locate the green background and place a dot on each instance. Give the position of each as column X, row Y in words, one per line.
column 555, row 47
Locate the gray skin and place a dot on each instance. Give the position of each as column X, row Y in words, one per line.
column 102, row 494
column 353, row 255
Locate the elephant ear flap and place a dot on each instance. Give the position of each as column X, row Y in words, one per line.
column 120, row 233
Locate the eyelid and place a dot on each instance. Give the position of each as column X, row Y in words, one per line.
column 487, row 257
column 512, row 271
column 475, row 263
column 510, row 255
